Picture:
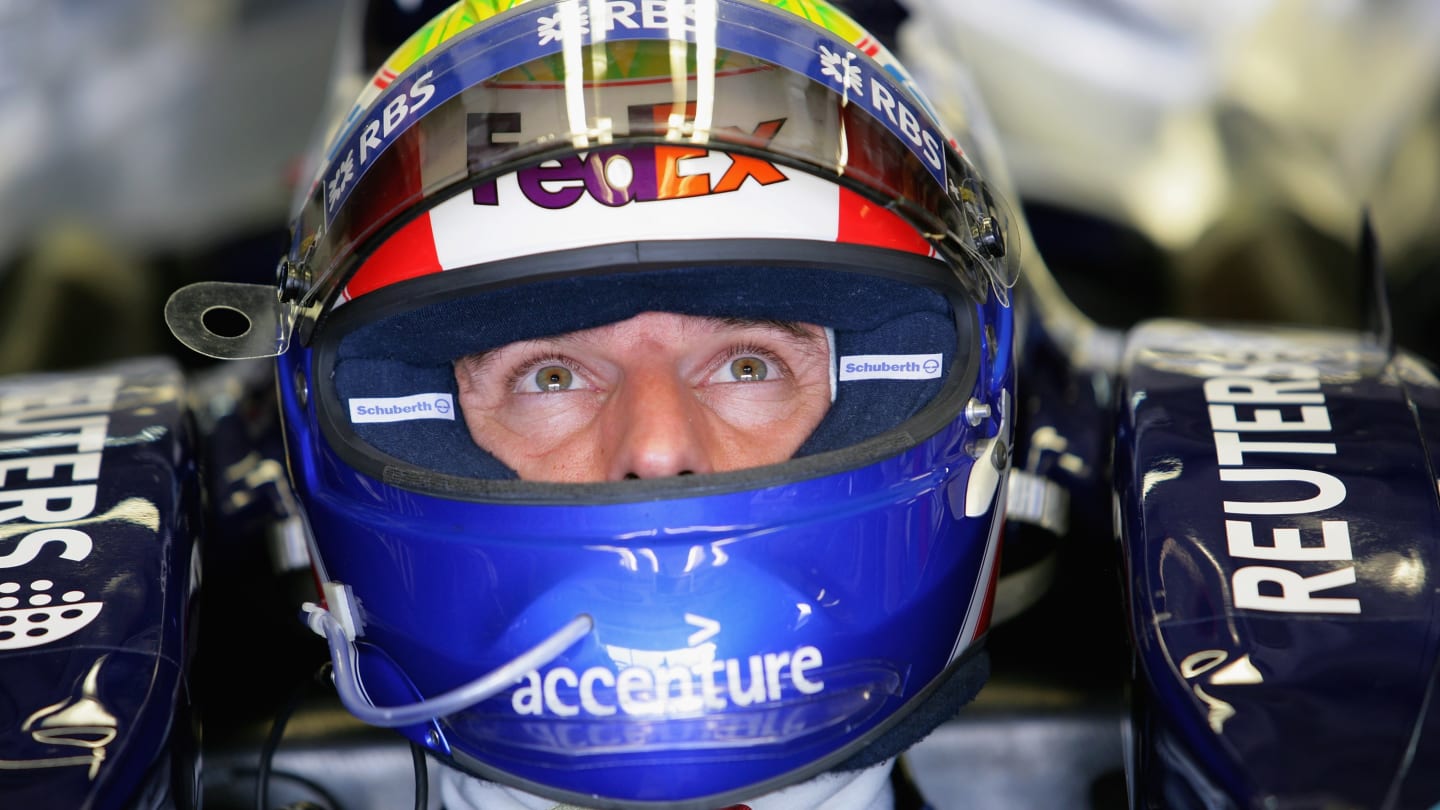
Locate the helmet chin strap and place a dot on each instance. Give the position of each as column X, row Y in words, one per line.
column 343, row 654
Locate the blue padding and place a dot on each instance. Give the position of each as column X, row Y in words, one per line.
column 441, row 445
column 412, row 352
column 866, row 408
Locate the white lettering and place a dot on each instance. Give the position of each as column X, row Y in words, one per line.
column 755, row 692
column 58, row 415
column 370, row 410
column 932, row 150
column 622, row 14
column 74, row 502
column 85, row 467
column 89, row 439
column 369, row 139
column 1330, row 492
column 656, row 14
column 686, row 700
column 1230, row 450
column 372, row 136
column 588, row 679
column 1240, row 537
column 422, row 90
column 881, row 100
column 910, row 125
column 552, row 693
column 632, row 686
column 1270, row 392
column 527, row 699
column 22, row 423
column 806, row 659
column 77, row 546
column 393, row 115
column 1296, row 591
column 1312, row 417
column 710, row 692
column 774, row 664
column 670, row 690
column 1284, row 590
column 890, row 367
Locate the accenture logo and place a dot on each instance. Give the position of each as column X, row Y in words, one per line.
column 660, row 690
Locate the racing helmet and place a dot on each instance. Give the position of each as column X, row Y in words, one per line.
column 524, row 170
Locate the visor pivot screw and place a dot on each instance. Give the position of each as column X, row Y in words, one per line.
column 288, row 285
column 989, row 238
column 976, row 412
column 1000, row 455
column 432, row 738
column 302, row 389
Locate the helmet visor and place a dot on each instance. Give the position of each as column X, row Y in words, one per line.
column 570, row 90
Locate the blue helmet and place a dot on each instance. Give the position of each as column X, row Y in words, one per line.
column 686, row 640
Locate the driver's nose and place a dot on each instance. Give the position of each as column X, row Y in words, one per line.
column 655, row 428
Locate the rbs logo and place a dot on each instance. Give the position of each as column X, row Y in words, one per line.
column 617, row 176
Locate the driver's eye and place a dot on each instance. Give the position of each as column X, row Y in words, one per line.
column 554, row 378
column 749, row 369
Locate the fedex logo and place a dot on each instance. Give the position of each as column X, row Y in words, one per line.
column 620, row 175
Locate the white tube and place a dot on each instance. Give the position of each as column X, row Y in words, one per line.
column 352, row 692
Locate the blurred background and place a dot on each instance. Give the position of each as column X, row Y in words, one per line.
column 1232, row 145
column 144, row 143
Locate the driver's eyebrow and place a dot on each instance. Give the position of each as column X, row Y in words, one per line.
column 477, row 364
column 794, row 329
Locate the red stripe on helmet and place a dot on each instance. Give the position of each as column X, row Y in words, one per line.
column 987, row 609
column 409, row 253
column 863, row 222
